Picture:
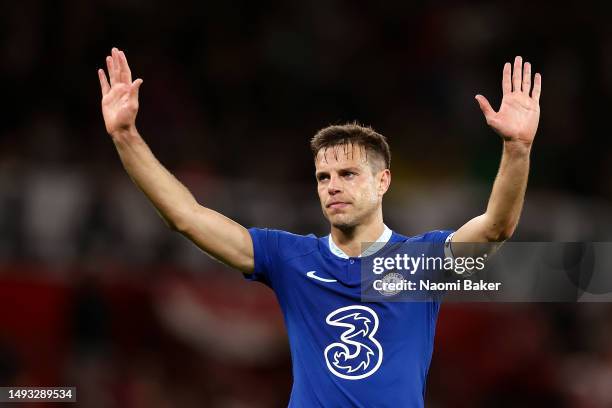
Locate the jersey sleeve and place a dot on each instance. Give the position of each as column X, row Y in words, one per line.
column 272, row 249
column 443, row 237
column 437, row 235
column 441, row 248
column 265, row 249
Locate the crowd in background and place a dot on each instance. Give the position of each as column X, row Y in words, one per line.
column 95, row 291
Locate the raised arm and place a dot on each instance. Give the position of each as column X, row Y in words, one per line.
column 217, row 235
column 516, row 122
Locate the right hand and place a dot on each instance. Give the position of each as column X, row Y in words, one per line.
column 120, row 98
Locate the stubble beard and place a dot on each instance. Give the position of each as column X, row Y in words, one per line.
column 345, row 226
column 347, row 223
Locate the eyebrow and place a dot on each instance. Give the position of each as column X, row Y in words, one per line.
column 343, row 169
column 351, row 168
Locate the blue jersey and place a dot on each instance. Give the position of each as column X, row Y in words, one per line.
column 345, row 352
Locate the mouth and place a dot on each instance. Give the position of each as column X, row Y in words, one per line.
column 337, row 205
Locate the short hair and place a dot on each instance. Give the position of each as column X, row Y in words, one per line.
column 351, row 134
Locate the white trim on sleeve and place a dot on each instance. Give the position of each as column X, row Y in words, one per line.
column 448, row 250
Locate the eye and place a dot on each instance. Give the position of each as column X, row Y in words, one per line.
column 349, row 174
column 322, row 177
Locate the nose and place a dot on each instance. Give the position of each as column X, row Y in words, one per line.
column 334, row 185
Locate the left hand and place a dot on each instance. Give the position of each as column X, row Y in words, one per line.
column 519, row 113
column 120, row 97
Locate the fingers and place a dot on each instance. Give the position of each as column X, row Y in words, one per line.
column 517, row 74
column 118, row 69
column 117, row 64
column 135, row 87
column 104, row 86
column 126, row 74
column 526, row 78
column 111, row 70
column 485, row 106
column 537, row 87
column 506, row 83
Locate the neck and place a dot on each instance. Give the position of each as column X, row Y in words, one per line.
column 351, row 240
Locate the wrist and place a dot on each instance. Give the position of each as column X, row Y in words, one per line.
column 125, row 135
column 517, row 148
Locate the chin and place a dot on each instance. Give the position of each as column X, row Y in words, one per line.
column 343, row 223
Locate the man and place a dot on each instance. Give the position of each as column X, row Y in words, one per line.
column 344, row 352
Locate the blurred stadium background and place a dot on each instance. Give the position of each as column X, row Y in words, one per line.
column 95, row 292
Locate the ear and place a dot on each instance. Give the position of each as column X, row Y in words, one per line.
column 384, row 181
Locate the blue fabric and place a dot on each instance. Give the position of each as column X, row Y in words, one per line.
column 345, row 353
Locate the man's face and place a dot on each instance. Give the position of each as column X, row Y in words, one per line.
column 350, row 184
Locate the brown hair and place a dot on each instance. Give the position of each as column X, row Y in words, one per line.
column 351, row 134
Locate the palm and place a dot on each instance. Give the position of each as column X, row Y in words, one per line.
column 519, row 113
column 120, row 98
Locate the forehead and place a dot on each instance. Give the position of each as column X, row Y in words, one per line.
column 341, row 156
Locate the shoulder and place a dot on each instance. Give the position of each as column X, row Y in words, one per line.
column 285, row 243
column 430, row 236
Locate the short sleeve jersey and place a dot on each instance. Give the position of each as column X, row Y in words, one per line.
column 345, row 352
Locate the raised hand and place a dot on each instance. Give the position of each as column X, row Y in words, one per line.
column 519, row 113
column 120, row 98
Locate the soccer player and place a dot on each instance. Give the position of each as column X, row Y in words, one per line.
column 345, row 352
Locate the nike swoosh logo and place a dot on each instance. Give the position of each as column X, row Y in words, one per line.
column 311, row 274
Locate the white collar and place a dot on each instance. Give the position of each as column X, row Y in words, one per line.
column 380, row 242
